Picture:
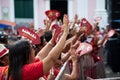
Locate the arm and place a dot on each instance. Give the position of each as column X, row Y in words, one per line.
column 73, row 57
column 73, row 40
column 68, row 42
column 53, row 55
column 102, row 41
column 47, row 24
column 72, row 50
column 73, row 75
column 45, row 50
column 65, row 56
column 75, row 21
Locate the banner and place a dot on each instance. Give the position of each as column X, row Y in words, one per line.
column 29, row 34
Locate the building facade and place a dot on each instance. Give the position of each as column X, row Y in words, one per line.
column 26, row 11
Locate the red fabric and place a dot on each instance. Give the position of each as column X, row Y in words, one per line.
column 57, row 32
column 32, row 71
column 96, row 58
column 29, row 72
column 95, row 47
column 56, row 71
column 3, row 72
column 85, row 23
column 36, row 60
column 92, row 42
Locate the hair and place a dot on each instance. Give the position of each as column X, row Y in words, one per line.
column 97, row 28
column 48, row 35
column 41, row 41
column 19, row 55
column 83, row 38
column 39, row 45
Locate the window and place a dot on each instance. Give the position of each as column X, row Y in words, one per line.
column 23, row 8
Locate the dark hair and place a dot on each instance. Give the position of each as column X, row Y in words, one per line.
column 3, row 38
column 19, row 55
column 38, row 45
column 48, row 35
column 41, row 41
column 97, row 28
column 83, row 38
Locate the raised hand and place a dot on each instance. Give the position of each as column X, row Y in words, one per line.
column 73, row 48
column 81, row 30
column 76, row 18
column 47, row 24
column 65, row 24
column 40, row 32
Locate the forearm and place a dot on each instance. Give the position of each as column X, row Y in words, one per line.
column 73, row 75
column 74, row 70
column 65, row 57
column 45, row 50
column 46, row 28
column 68, row 42
column 59, row 47
column 53, row 55
column 101, row 42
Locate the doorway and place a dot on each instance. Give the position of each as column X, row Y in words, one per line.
column 60, row 5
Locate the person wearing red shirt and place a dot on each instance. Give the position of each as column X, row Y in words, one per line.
column 21, row 57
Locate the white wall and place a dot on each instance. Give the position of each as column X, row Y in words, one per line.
column 100, row 11
column 82, row 8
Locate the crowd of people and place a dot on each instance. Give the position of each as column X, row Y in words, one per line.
column 23, row 60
